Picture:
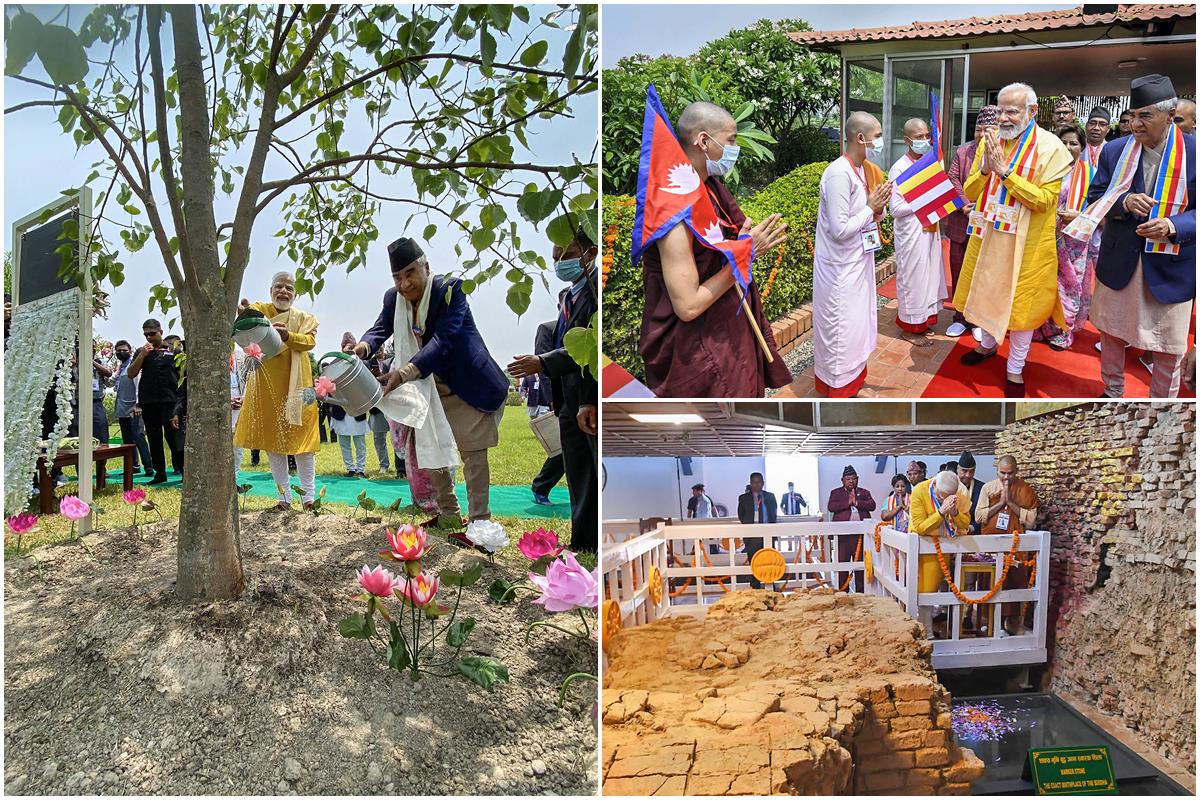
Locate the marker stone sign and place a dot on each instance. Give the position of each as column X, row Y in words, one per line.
column 1072, row 770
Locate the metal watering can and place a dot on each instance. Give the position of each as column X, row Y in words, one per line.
column 357, row 389
column 259, row 331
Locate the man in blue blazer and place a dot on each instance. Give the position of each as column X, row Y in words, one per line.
column 1145, row 299
column 470, row 384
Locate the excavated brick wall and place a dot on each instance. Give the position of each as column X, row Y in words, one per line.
column 816, row 693
column 1117, row 483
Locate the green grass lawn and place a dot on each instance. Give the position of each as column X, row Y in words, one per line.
column 514, row 462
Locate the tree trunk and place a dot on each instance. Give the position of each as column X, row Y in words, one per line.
column 209, row 550
column 209, row 556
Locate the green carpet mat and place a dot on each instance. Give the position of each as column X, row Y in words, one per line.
column 505, row 501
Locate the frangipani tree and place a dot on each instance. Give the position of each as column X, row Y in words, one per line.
column 262, row 103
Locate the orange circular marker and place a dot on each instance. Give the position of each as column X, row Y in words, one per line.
column 654, row 585
column 868, row 566
column 610, row 613
column 768, row 565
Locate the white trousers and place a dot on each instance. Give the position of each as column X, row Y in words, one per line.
column 1018, row 348
column 306, row 468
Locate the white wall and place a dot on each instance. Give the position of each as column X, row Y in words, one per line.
column 644, row 486
column 830, row 468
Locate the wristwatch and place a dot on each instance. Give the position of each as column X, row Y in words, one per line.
column 1007, row 172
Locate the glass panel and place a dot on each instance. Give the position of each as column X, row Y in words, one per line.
column 954, row 134
column 912, row 81
column 959, row 414
column 798, row 413
column 863, row 415
column 864, row 89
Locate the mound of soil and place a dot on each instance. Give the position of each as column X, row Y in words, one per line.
column 113, row 686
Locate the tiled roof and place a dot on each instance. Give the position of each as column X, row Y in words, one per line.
column 1008, row 23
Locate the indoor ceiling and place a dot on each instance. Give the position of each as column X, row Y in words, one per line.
column 724, row 434
column 1089, row 71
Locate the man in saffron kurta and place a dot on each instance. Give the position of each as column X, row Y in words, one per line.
column 845, row 320
column 279, row 409
column 696, row 340
column 1011, row 506
column 1009, row 280
column 937, row 507
column 920, row 280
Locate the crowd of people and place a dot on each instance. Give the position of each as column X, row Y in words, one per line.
column 435, row 349
column 952, row 502
column 1046, row 215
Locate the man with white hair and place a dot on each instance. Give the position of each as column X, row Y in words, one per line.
column 1009, row 280
column 854, row 193
column 920, row 279
column 1145, row 191
column 937, row 507
column 279, row 408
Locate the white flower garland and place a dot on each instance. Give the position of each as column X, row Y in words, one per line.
column 40, row 341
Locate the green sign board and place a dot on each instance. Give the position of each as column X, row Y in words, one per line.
column 1072, row 770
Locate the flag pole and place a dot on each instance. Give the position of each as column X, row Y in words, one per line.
column 762, row 342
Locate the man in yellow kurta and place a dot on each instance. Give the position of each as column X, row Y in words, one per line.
column 937, row 507
column 1009, row 279
column 279, row 409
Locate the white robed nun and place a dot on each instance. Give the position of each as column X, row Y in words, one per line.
column 920, row 277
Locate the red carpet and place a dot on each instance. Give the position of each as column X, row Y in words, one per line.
column 1073, row 373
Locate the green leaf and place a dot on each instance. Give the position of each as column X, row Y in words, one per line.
column 499, row 590
column 573, row 52
column 357, row 626
column 451, row 577
column 582, row 346
column 561, row 229
column 21, row 41
column 472, row 574
column 368, row 34
column 487, row 47
column 429, row 232
column 397, row 649
column 484, row 671
column 519, row 297
column 459, row 631
column 535, row 53
column 62, row 55
column 536, row 205
column 482, row 238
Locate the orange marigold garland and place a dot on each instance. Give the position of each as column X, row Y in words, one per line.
column 771, row 278
column 1010, row 558
column 606, row 262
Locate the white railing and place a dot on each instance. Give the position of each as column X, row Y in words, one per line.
column 697, row 567
column 976, row 564
column 616, row 531
column 627, row 570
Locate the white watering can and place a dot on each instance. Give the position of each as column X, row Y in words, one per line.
column 259, row 331
column 357, row 389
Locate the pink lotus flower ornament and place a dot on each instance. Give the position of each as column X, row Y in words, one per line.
column 539, row 543
column 134, row 496
column 379, row 581
column 253, row 350
column 406, row 543
column 324, row 386
column 22, row 523
column 420, row 590
column 566, row 585
column 73, row 508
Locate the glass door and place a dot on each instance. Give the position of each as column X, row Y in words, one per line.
column 908, row 83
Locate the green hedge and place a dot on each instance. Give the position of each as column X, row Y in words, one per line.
column 796, row 196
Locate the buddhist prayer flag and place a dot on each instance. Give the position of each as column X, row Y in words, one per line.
column 670, row 192
column 1170, row 188
column 926, row 186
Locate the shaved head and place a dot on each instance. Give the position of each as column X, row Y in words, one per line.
column 1185, row 116
column 1006, row 461
column 915, row 127
column 701, row 116
column 860, row 122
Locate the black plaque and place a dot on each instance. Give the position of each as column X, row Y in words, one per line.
column 41, row 263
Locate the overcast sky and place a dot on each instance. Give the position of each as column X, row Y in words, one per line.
column 40, row 161
column 631, row 29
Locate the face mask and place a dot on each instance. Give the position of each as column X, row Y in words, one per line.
column 876, row 146
column 568, row 269
column 920, row 146
column 721, row 167
column 122, row 356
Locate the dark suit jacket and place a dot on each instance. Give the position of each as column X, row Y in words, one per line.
column 566, row 377
column 543, row 342
column 746, row 508
column 1170, row 278
column 839, row 503
column 795, row 497
column 452, row 348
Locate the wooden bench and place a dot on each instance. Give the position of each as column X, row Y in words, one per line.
column 101, row 455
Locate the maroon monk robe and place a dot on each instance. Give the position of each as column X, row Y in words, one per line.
column 716, row 354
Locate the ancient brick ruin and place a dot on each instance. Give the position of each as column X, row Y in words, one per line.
column 816, row 693
column 1117, row 482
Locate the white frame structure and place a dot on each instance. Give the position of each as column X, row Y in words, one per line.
column 82, row 200
column 627, row 563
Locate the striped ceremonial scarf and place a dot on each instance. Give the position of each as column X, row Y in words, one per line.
column 1081, row 179
column 1022, row 162
column 1170, row 188
column 1082, row 227
column 946, row 526
column 900, row 521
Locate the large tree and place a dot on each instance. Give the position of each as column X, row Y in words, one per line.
column 259, row 102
